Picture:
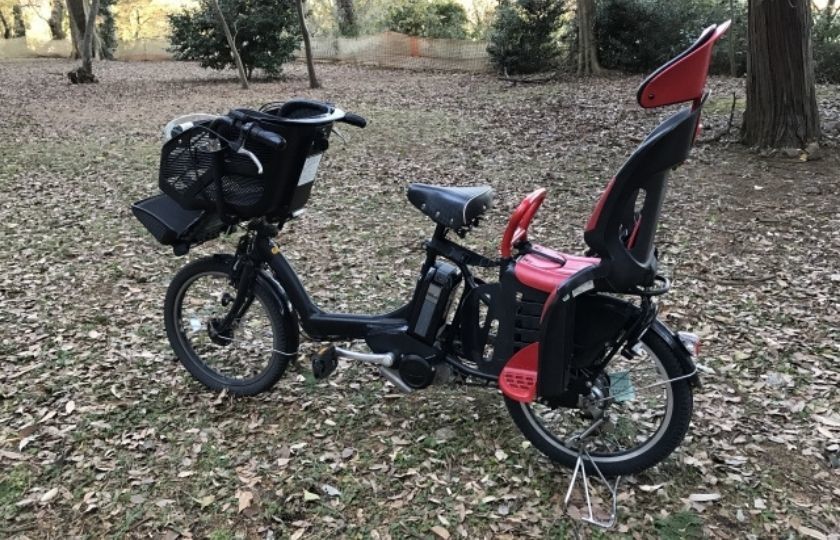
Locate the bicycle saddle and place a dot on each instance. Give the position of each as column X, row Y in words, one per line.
column 453, row 207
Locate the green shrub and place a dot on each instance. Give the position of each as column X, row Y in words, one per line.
column 445, row 19
column 523, row 36
column 266, row 33
column 640, row 35
column 826, row 43
column 107, row 29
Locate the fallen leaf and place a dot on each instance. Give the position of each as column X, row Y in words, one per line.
column 245, row 498
column 330, row 490
column 811, row 533
column 48, row 496
column 205, row 501
column 309, row 496
column 70, row 407
column 440, row 532
column 704, row 497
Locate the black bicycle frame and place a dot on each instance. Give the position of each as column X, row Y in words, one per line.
column 324, row 326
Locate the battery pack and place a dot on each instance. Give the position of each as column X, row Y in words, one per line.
column 432, row 301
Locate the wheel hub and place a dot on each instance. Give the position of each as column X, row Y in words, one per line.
column 223, row 338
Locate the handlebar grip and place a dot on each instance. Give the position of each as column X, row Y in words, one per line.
column 264, row 136
column 354, row 120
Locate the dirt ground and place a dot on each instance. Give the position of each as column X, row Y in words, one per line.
column 103, row 433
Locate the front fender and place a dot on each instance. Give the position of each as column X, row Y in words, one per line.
column 676, row 345
column 291, row 327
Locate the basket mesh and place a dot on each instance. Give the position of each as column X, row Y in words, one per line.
column 192, row 162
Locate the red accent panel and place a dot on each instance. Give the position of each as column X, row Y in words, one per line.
column 596, row 213
column 518, row 379
column 517, row 227
column 632, row 240
column 685, row 79
column 546, row 275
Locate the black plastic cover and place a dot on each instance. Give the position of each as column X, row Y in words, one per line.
column 172, row 225
column 432, row 300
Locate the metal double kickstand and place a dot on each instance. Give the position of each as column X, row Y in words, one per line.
column 580, row 469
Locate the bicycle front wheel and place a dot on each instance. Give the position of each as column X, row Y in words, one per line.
column 246, row 360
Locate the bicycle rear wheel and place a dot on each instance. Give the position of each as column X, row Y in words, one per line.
column 648, row 413
column 248, row 359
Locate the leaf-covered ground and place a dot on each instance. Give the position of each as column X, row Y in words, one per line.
column 102, row 433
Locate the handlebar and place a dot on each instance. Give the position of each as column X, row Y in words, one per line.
column 250, row 130
column 253, row 131
column 354, row 120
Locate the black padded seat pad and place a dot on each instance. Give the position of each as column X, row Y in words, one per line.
column 453, row 207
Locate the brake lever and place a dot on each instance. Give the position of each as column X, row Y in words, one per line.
column 245, row 152
column 339, row 134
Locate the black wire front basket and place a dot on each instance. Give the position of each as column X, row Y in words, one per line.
column 200, row 170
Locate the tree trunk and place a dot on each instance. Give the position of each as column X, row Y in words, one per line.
column 84, row 74
column 587, row 45
column 781, row 99
column 733, row 68
column 7, row 30
column 310, row 63
column 76, row 13
column 243, row 78
column 347, row 25
column 56, row 21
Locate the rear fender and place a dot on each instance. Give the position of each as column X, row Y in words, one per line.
column 676, row 345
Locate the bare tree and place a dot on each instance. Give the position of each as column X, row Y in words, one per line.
column 310, row 63
column 7, row 29
column 587, row 45
column 243, row 79
column 84, row 74
column 781, row 98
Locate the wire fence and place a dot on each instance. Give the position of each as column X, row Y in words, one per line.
column 142, row 31
column 387, row 49
column 391, row 49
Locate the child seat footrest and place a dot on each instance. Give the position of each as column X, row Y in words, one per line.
column 518, row 379
column 173, row 225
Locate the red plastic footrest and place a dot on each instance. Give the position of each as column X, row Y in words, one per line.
column 518, row 379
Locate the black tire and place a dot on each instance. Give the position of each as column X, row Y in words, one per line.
column 666, row 438
column 273, row 360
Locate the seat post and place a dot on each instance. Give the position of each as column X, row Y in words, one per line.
column 431, row 256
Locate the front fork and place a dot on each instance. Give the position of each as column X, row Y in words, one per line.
column 243, row 278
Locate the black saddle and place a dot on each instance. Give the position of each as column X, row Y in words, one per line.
column 453, row 207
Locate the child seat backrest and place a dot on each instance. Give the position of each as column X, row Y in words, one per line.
column 622, row 227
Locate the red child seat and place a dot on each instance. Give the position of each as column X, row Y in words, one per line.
column 545, row 269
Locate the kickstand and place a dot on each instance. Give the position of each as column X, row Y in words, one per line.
column 580, row 468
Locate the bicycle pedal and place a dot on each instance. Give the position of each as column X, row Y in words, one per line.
column 324, row 362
